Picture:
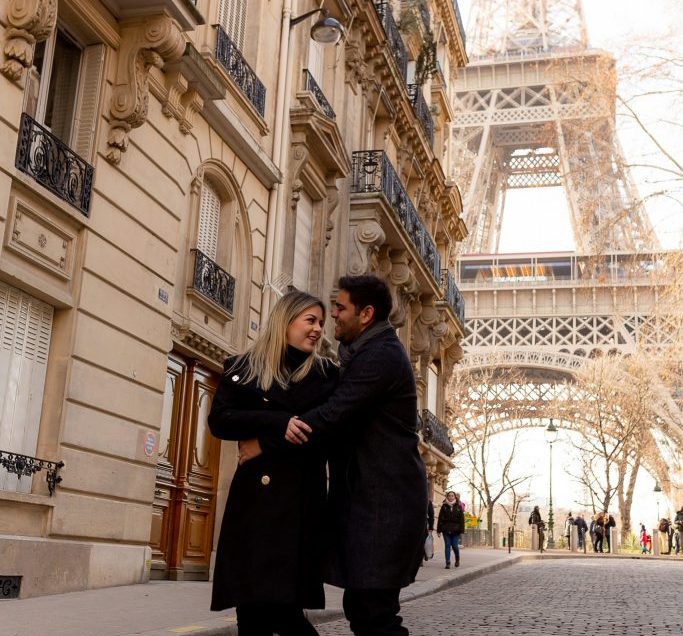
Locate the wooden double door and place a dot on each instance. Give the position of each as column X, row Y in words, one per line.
column 187, row 474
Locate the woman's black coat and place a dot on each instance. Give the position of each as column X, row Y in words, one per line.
column 271, row 544
column 451, row 518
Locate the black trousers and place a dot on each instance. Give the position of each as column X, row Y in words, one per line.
column 374, row 612
column 267, row 619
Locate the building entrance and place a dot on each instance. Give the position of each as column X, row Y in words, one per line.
column 187, row 473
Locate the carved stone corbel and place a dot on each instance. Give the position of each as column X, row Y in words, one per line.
column 176, row 86
column 403, row 285
column 144, row 44
column 420, row 343
column 28, row 22
column 332, row 203
column 192, row 103
column 365, row 240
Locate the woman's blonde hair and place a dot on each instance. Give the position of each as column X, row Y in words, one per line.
column 265, row 359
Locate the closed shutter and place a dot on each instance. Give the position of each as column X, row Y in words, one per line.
column 432, row 390
column 25, row 329
column 315, row 61
column 302, row 242
column 87, row 101
column 232, row 16
column 209, row 221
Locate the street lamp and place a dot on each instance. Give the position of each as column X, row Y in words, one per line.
column 657, row 491
column 551, row 438
column 327, row 30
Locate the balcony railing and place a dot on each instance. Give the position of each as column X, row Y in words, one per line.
column 237, row 67
column 435, row 433
column 422, row 111
column 53, row 164
column 27, row 466
column 458, row 17
column 452, row 295
column 398, row 48
column 213, row 282
column 312, row 86
column 373, row 172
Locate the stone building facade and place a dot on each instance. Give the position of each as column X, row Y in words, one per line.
column 167, row 167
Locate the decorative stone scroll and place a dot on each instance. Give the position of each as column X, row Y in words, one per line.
column 29, row 21
column 152, row 42
column 364, row 241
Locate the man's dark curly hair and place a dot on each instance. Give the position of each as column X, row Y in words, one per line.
column 368, row 290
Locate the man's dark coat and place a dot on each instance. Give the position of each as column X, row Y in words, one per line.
column 378, row 489
column 273, row 538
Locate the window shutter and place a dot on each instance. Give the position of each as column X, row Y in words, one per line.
column 25, row 329
column 87, row 101
column 315, row 61
column 232, row 16
column 302, row 242
column 432, row 388
column 209, row 221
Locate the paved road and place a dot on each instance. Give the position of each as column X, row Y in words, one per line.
column 554, row 598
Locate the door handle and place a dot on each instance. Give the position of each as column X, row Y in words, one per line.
column 157, row 492
column 199, row 500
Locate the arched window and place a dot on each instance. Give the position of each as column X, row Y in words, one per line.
column 209, row 220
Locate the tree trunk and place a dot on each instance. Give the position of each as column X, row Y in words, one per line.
column 489, row 522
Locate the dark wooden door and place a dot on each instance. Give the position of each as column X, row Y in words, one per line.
column 187, row 474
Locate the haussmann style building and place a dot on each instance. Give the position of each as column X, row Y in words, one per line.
column 167, row 168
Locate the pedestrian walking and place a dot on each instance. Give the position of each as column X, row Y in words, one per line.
column 378, row 487
column 451, row 525
column 582, row 528
column 599, row 531
column 608, row 524
column 644, row 540
column 678, row 525
column 666, row 533
column 269, row 561
column 568, row 525
column 536, row 519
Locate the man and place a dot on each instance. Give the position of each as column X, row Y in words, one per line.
column 609, row 523
column 568, row 524
column 535, row 519
column 582, row 528
column 378, row 488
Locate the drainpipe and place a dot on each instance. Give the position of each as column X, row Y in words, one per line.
column 273, row 229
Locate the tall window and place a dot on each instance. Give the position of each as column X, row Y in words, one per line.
column 232, row 16
column 315, row 61
column 63, row 89
column 209, row 221
column 302, row 242
column 25, row 329
column 432, row 389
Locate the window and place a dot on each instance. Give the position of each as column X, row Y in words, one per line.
column 302, row 242
column 316, row 56
column 432, row 389
column 25, row 329
column 232, row 16
column 63, row 89
column 209, row 221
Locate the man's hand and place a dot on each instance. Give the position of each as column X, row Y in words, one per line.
column 248, row 449
column 297, row 430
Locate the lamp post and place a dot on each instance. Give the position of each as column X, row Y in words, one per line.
column 657, row 490
column 551, row 438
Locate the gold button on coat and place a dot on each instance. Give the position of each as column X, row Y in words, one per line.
column 265, row 480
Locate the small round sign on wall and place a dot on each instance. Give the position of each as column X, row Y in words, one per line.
column 150, row 443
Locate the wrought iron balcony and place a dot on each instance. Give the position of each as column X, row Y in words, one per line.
column 53, row 164
column 27, row 466
column 452, row 295
column 435, row 433
column 373, row 172
column 394, row 39
column 237, row 67
column 422, row 111
column 213, row 282
column 311, row 85
column 458, row 17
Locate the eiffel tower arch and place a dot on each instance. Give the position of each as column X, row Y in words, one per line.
column 536, row 108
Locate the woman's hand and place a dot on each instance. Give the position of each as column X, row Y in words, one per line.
column 248, row 449
column 296, row 431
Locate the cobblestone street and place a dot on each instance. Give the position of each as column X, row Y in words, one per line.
column 553, row 598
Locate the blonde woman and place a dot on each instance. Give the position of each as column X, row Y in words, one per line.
column 269, row 557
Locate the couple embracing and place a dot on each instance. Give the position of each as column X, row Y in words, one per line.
column 295, row 413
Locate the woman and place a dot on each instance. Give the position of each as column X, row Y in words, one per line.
column 269, row 558
column 451, row 524
column 599, row 530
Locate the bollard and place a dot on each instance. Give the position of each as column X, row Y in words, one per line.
column 613, row 541
column 574, row 538
column 496, row 536
column 655, row 541
column 534, row 536
column 510, row 539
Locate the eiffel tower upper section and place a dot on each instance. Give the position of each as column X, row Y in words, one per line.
column 536, row 108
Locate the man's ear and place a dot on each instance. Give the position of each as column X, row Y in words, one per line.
column 367, row 315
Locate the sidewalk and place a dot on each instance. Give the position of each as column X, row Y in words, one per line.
column 163, row 608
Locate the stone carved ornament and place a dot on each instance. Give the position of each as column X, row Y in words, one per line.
column 365, row 240
column 153, row 42
column 29, row 21
column 394, row 268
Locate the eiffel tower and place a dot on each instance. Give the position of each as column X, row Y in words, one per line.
column 536, row 108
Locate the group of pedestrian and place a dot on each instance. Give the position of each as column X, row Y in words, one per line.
column 672, row 533
column 600, row 527
column 298, row 417
column 581, row 530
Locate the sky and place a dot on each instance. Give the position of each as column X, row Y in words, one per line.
column 620, row 27
column 537, row 219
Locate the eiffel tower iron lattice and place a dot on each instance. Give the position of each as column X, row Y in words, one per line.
column 535, row 108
